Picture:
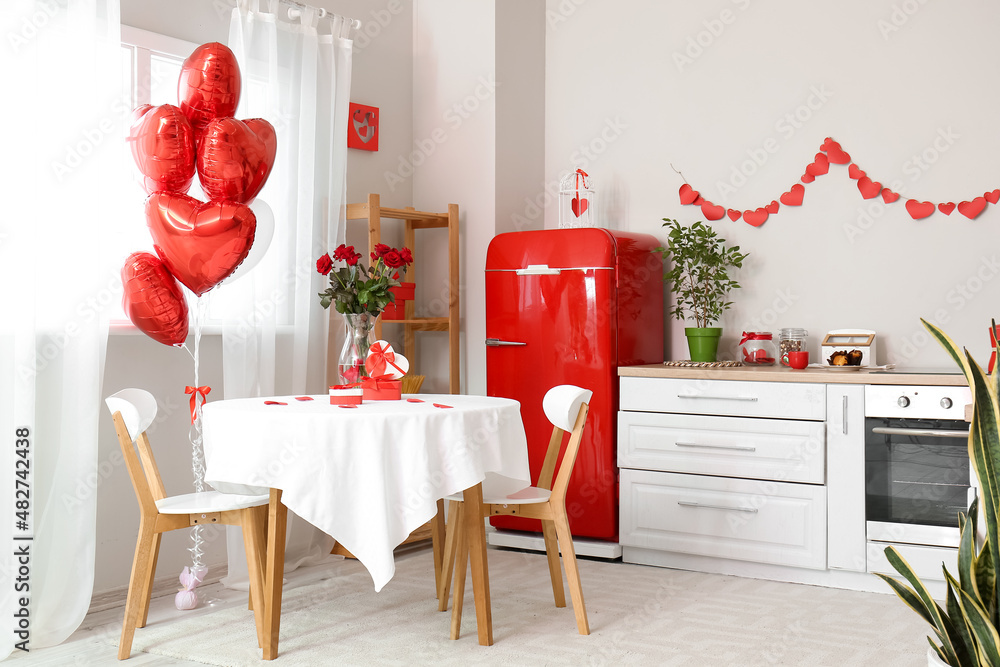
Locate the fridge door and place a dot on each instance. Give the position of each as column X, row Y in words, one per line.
column 552, row 293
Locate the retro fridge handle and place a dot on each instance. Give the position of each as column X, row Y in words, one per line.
column 538, row 270
column 496, row 342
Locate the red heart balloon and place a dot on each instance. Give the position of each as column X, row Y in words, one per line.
column 687, row 194
column 711, row 211
column 794, row 195
column 869, row 188
column 992, row 197
column 970, row 209
column 209, row 85
column 152, row 299
column 755, row 218
column 854, row 171
column 888, row 196
column 946, row 208
column 733, row 214
column 235, row 158
column 579, row 205
column 162, row 142
column 200, row 243
column 918, row 210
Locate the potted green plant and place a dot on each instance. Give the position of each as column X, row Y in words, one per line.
column 967, row 626
column 699, row 276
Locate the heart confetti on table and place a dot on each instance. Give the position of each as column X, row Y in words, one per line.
column 347, row 406
column 274, row 403
column 440, row 405
column 303, row 398
column 414, row 400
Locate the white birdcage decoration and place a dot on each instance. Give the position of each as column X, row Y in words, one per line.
column 576, row 201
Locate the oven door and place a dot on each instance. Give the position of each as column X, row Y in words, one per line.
column 917, row 479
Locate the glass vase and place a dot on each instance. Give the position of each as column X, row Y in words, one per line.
column 359, row 336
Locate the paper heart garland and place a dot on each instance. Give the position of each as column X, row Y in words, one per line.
column 807, row 178
column 200, row 243
column 868, row 188
column 755, row 218
column 711, row 211
column 153, row 300
column 794, row 196
column 772, row 208
column 992, row 197
column 733, row 214
column 383, row 362
column 946, row 208
column 819, row 166
column 687, row 194
column 235, row 158
column 162, row 143
column 855, row 172
column 209, row 85
column 888, row 196
column 579, row 205
column 918, row 210
column 970, row 209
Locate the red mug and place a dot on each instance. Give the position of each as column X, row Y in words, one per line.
column 798, row 360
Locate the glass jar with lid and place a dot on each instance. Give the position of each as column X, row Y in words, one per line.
column 757, row 348
column 790, row 340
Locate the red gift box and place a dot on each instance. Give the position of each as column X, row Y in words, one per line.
column 381, row 389
column 346, row 394
column 394, row 311
column 404, row 292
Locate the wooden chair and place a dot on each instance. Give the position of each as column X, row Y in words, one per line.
column 566, row 407
column 133, row 410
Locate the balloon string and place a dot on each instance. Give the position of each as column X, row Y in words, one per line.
column 198, row 314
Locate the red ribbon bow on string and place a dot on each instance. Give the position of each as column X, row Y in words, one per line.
column 380, row 359
column 755, row 335
column 195, row 391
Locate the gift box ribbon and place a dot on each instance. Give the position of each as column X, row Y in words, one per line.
column 373, row 382
column 755, row 335
column 195, row 391
column 353, row 385
column 380, row 358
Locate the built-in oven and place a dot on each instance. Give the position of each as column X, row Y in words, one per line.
column 918, row 476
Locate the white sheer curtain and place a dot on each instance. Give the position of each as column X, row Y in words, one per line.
column 62, row 118
column 297, row 75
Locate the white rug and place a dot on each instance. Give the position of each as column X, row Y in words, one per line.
column 638, row 616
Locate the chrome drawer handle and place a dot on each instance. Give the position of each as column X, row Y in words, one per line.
column 687, row 503
column 496, row 342
column 751, row 399
column 883, row 430
column 739, row 448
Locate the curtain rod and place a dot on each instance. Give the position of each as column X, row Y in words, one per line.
column 321, row 12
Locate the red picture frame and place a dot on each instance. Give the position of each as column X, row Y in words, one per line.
column 362, row 127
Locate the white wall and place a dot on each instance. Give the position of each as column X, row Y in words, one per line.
column 619, row 105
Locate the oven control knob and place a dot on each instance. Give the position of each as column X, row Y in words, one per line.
column 902, row 401
column 946, row 403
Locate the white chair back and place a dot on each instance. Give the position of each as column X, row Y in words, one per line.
column 562, row 404
column 138, row 408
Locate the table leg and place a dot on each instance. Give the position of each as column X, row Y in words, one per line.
column 274, row 571
column 475, row 533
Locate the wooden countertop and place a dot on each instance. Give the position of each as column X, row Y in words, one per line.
column 783, row 374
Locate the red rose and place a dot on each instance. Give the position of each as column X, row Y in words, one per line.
column 343, row 252
column 324, row 264
column 392, row 259
column 352, row 257
column 379, row 251
column 406, row 256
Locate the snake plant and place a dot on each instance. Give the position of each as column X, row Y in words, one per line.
column 967, row 627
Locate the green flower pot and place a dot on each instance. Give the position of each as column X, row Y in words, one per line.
column 703, row 342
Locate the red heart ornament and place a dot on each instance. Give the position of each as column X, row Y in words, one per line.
column 836, row 155
column 755, row 218
column 855, row 172
column 869, row 188
column 711, row 211
column 235, row 158
column 772, row 208
column 699, row 201
column 819, row 166
column 794, row 196
column 946, row 208
column 733, row 214
column 209, row 85
column 153, row 300
column 807, row 178
column 687, row 194
column 579, row 205
column 918, row 210
column 200, row 243
column 162, row 143
column 970, row 209
column 888, row 196
column 992, row 197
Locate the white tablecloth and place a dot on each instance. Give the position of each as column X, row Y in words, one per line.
column 370, row 475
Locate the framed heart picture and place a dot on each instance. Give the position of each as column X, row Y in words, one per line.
column 362, row 129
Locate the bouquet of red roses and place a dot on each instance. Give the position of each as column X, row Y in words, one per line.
column 356, row 289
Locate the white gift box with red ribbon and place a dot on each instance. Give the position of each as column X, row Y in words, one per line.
column 385, row 367
column 346, row 394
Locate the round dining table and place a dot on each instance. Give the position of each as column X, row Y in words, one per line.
column 367, row 475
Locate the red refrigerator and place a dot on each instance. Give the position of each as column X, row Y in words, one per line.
column 569, row 306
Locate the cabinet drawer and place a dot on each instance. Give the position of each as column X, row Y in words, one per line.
column 777, row 449
column 787, row 400
column 759, row 521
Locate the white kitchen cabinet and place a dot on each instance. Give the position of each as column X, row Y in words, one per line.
column 845, row 481
column 782, row 400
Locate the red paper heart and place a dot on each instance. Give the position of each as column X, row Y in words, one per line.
column 688, row 194
column 209, row 85
column 711, row 211
column 274, row 403
column 855, row 172
column 819, row 166
column 579, row 205
column 992, row 197
column 918, row 210
column 889, row 196
column 699, row 201
column 200, row 243
column 733, row 214
column 162, row 143
column 970, row 209
column 946, row 208
column 794, row 196
column 755, row 218
column 153, row 300
column 303, row 398
column 772, row 208
column 835, row 153
column 235, row 158
column 869, row 188
column 441, row 405
column 414, row 400
column 807, row 178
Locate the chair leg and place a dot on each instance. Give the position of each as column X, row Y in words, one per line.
column 437, row 543
column 448, row 555
column 137, row 586
column 552, row 554
column 572, row 572
column 461, row 565
column 148, row 584
column 255, row 566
